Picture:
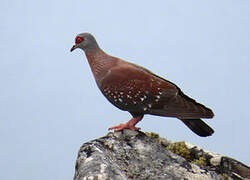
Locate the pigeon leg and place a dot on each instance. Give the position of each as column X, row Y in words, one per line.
column 129, row 125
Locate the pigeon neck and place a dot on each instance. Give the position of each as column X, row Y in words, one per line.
column 91, row 47
column 100, row 63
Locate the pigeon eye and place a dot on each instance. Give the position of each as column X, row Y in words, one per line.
column 79, row 39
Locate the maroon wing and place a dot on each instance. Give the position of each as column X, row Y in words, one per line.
column 135, row 89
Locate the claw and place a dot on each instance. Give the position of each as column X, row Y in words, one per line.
column 124, row 126
column 129, row 125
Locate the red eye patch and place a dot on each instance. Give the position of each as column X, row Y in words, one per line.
column 79, row 39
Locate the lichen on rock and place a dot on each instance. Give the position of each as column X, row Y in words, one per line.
column 226, row 167
column 135, row 155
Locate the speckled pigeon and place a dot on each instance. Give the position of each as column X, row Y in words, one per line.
column 137, row 90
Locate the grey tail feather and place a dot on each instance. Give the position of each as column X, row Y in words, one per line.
column 198, row 126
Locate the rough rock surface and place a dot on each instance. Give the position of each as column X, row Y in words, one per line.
column 134, row 155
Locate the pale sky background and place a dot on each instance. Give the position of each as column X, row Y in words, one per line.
column 50, row 104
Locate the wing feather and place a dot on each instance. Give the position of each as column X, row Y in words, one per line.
column 152, row 94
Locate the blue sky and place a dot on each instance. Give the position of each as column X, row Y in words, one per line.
column 50, row 103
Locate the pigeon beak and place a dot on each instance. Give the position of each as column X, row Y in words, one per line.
column 73, row 48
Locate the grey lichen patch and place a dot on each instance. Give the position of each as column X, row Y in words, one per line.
column 215, row 160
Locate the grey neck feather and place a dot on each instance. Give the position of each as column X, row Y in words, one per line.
column 92, row 47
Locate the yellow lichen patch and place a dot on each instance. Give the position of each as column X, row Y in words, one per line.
column 158, row 139
column 201, row 161
column 153, row 135
column 180, row 148
column 225, row 176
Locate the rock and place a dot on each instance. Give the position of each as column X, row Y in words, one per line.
column 223, row 165
column 128, row 155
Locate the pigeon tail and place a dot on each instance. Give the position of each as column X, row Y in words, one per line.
column 198, row 126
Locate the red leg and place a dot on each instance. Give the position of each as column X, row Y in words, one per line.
column 129, row 125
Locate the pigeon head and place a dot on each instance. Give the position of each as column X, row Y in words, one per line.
column 85, row 41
